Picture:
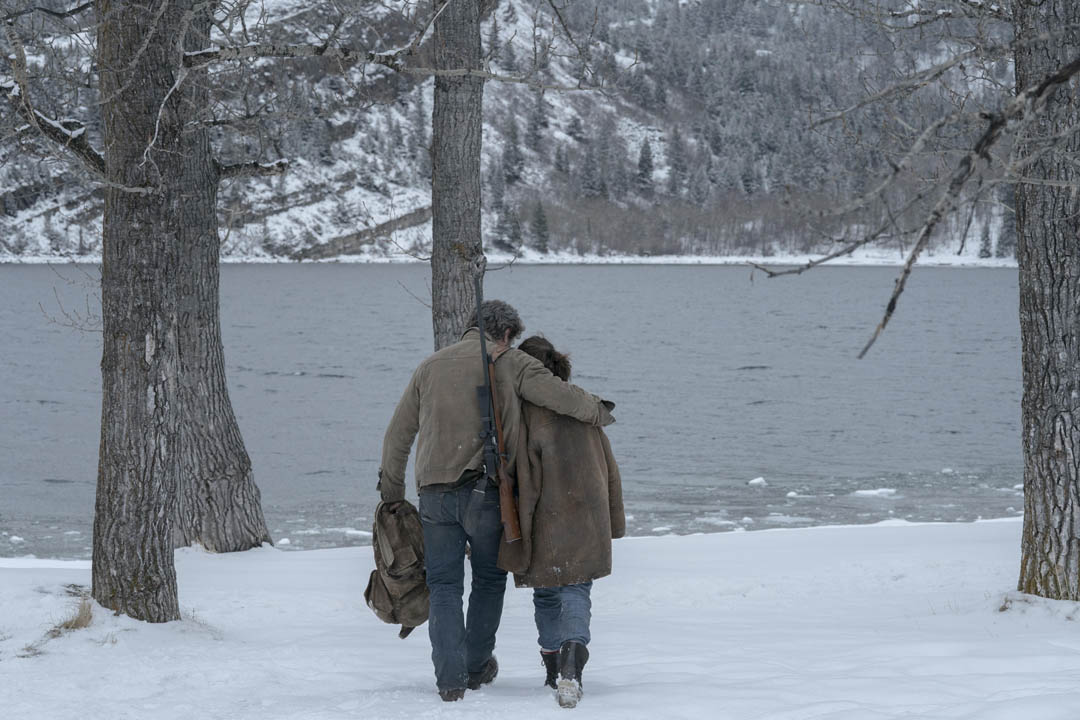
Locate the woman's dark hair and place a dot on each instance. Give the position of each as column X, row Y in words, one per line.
column 539, row 347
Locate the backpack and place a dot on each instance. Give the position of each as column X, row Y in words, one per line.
column 397, row 590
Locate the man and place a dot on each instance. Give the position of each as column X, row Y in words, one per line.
column 441, row 408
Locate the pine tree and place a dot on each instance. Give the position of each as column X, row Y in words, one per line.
column 677, row 163
column 593, row 184
column 562, row 159
column 576, row 130
column 420, row 122
column 513, row 162
column 985, row 250
column 1006, row 244
column 509, row 58
column 537, row 122
column 494, row 45
column 515, row 240
column 540, row 236
column 643, row 180
column 496, row 188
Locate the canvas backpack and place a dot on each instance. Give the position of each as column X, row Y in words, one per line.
column 397, row 591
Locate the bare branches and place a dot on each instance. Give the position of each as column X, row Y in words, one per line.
column 51, row 13
column 1015, row 114
column 68, row 135
column 907, row 85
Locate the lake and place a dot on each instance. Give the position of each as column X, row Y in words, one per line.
column 741, row 404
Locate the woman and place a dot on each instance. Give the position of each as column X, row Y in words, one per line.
column 570, row 501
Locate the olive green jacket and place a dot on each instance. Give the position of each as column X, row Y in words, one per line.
column 440, row 409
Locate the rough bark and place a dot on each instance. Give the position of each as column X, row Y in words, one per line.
column 219, row 504
column 138, row 469
column 456, row 136
column 1048, row 252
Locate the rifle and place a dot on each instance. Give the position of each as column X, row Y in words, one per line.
column 492, row 434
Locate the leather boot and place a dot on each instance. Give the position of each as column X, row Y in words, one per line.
column 572, row 659
column 551, row 666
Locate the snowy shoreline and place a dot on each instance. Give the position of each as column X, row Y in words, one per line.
column 866, row 259
column 834, row 623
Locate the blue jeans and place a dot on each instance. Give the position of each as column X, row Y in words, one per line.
column 562, row 614
column 451, row 518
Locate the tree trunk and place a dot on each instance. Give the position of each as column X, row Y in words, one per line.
column 456, row 136
column 138, row 469
column 219, row 505
column 1048, row 252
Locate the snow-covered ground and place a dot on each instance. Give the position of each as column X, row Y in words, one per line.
column 840, row 623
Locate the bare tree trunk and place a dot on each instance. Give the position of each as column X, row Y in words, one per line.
column 456, row 137
column 219, row 505
column 1048, row 252
column 138, row 468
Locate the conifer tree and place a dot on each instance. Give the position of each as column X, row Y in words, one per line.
column 537, row 122
column 1006, row 244
column 677, row 163
column 593, row 184
column 513, row 162
column 985, row 250
column 643, row 179
column 540, row 235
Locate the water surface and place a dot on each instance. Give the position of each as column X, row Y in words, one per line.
column 720, row 378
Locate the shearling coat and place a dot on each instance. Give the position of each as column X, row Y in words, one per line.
column 569, row 501
column 441, row 410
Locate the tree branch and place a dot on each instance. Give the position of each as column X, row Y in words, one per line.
column 1020, row 109
column 46, row 11
column 69, row 135
column 253, row 169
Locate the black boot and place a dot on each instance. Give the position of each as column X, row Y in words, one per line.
column 572, row 659
column 551, row 665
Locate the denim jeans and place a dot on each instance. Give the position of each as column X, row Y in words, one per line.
column 468, row 513
column 562, row 614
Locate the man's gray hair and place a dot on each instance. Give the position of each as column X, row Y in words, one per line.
column 498, row 318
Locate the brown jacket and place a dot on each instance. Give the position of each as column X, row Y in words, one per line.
column 440, row 408
column 569, row 503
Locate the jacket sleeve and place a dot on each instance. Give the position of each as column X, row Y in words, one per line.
column 536, row 384
column 397, row 443
column 615, row 500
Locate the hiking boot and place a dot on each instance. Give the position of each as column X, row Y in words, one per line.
column 486, row 675
column 452, row 695
column 551, row 665
column 572, row 659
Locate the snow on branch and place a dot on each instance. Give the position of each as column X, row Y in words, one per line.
column 207, row 56
column 1014, row 116
column 969, row 9
column 69, row 135
column 253, row 169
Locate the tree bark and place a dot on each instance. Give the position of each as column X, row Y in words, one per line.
column 456, row 137
column 138, row 469
column 219, row 505
column 1048, row 253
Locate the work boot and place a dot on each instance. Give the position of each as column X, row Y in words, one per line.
column 452, row 695
column 486, row 674
column 572, row 659
column 551, row 665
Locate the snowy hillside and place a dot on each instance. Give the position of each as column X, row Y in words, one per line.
column 694, row 140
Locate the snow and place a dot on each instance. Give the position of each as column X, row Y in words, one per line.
column 880, row 492
column 844, row 623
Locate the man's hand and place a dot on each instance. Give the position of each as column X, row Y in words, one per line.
column 389, row 493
